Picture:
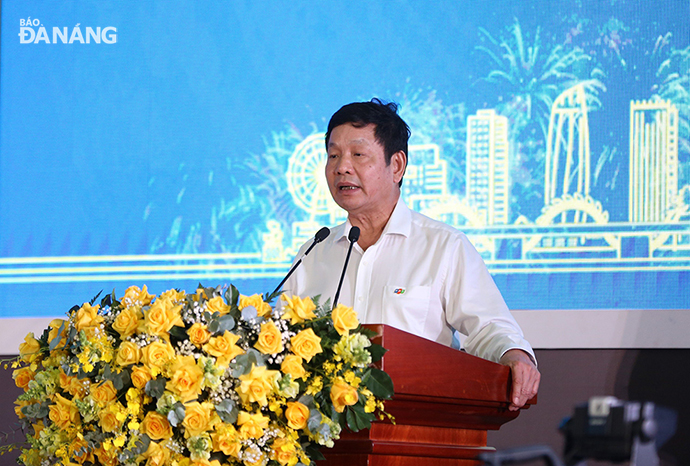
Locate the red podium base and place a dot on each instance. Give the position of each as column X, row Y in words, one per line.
column 445, row 401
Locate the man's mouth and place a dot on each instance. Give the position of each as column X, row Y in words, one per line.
column 347, row 188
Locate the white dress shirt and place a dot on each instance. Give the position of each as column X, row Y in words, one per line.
column 422, row 276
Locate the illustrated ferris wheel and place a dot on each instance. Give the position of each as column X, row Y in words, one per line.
column 306, row 180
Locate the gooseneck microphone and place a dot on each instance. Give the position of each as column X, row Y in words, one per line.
column 352, row 236
column 320, row 235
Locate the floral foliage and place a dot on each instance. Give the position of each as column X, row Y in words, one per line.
column 210, row 378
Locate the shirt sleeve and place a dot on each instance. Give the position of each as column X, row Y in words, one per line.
column 475, row 307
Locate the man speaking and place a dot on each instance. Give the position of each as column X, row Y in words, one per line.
column 405, row 270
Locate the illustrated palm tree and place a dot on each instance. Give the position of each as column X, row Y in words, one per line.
column 674, row 85
column 530, row 75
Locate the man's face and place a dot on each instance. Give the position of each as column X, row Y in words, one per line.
column 357, row 174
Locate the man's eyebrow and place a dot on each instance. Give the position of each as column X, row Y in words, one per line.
column 360, row 141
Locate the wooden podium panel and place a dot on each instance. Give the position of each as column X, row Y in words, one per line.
column 445, row 401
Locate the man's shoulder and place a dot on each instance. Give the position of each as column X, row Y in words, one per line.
column 431, row 226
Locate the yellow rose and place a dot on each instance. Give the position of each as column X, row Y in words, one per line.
column 297, row 415
column 173, row 295
column 157, row 455
column 55, row 326
column 107, row 457
column 292, row 364
column 198, row 334
column 127, row 321
column 344, row 319
column 129, row 353
column 87, row 317
column 141, row 375
column 226, row 439
column 263, row 309
column 156, row 426
column 108, row 420
column 80, row 452
column 298, row 309
column 29, row 350
column 343, row 395
column 161, row 317
column 104, row 393
column 186, row 378
column 284, row 451
column 223, row 348
column 198, row 418
column 205, row 462
column 270, row 339
column 63, row 413
column 135, row 297
column 22, row 377
column 218, row 305
column 256, row 385
column 73, row 385
column 306, row 344
column 156, row 355
column 251, row 425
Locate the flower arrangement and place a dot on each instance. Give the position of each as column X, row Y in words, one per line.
column 212, row 378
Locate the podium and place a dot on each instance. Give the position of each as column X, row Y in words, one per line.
column 445, row 401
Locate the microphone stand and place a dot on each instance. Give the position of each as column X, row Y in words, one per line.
column 352, row 236
column 321, row 235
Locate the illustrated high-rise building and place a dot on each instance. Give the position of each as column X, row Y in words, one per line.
column 653, row 159
column 488, row 183
column 567, row 163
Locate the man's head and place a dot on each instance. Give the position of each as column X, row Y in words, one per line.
column 390, row 130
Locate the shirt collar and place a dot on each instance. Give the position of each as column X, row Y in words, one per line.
column 399, row 223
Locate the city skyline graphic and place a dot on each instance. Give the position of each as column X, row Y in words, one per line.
column 556, row 137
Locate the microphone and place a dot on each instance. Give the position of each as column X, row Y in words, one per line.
column 320, row 235
column 352, row 236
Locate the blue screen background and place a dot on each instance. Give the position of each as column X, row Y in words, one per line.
column 159, row 158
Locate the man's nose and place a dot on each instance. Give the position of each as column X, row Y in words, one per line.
column 343, row 165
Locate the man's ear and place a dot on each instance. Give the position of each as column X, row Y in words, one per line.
column 399, row 164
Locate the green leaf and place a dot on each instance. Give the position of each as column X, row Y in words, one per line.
column 313, row 451
column 369, row 333
column 268, row 298
column 155, row 388
column 93, row 300
column 235, row 296
column 380, row 383
column 357, row 419
column 314, row 420
column 249, row 314
column 243, row 363
column 141, row 445
column 226, row 323
column 377, row 351
column 227, row 411
column 176, row 415
column 178, row 333
column 56, row 341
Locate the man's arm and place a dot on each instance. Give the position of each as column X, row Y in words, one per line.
column 525, row 376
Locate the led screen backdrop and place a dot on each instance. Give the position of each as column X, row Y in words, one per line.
column 169, row 143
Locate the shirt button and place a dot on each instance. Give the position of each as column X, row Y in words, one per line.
column 360, row 299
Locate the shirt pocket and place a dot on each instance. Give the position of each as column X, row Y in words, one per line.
column 406, row 308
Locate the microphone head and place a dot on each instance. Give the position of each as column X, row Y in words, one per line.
column 353, row 235
column 322, row 234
